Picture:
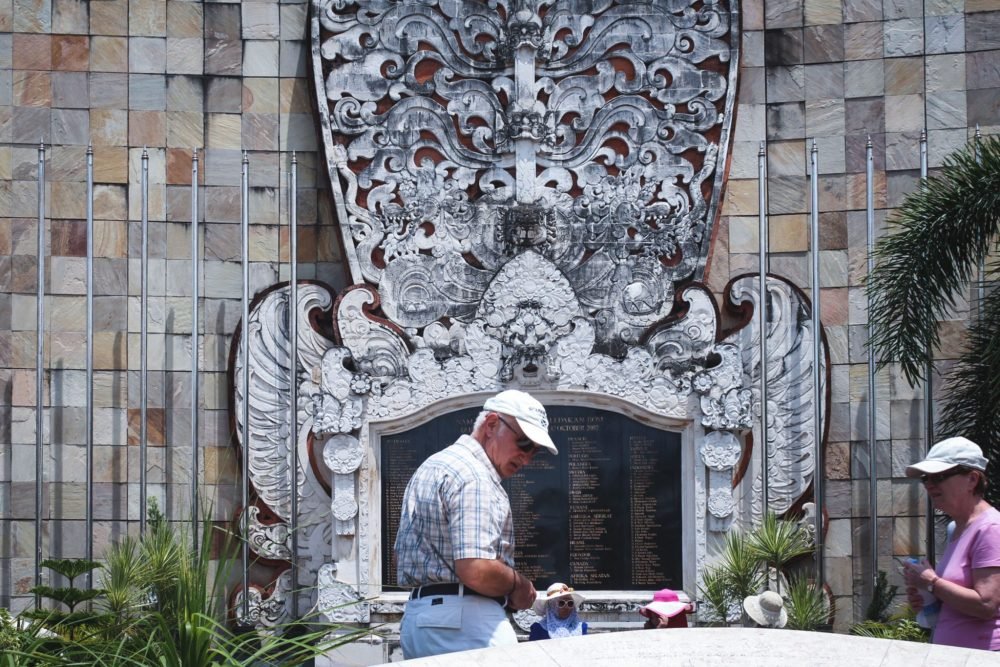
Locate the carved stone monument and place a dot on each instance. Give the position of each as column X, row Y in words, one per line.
column 526, row 191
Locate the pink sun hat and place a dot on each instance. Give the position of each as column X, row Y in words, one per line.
column 666, row 603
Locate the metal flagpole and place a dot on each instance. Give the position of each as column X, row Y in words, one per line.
column 90, row 361
column 39, row 371
column 981, row 287
column 293, row 335
column 143, row 334
column 818, row 485
column 872, row 461
column 762, row 319
column 929, row 383
column 245, row 379
column 194, row 349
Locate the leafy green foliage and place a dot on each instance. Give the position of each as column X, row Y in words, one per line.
column 882, row 597
column 69, row 596
column 71, row 568
column 807, row 605
column 904, row 629
column 938, row 239
column 744, row 566
column 164, row 604
column 777, row 542
column 11, row 639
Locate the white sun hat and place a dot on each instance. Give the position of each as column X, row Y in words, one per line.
column 555, row 592
column 949, row 454
column 529, row 413
column 767, row 609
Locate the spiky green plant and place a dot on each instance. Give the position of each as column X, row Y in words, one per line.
column 882, row 598
column 741, row 563
column 936, row 242
column 807, row 605
column 776, row 542
column 175, row 620
column 716, row 596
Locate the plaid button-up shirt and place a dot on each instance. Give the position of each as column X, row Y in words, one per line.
column 453, row 507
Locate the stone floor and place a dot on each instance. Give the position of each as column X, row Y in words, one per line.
column 713, row 646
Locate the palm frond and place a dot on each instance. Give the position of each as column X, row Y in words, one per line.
column 970, row 407
column 939, row 236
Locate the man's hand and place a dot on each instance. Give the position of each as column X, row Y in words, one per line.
column 495, row 578
column 524, row 593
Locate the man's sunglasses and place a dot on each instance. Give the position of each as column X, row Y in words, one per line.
column 937, row 478
column 523, row 443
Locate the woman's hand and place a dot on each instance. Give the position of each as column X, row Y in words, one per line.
column 919, row 575
column 915, row 599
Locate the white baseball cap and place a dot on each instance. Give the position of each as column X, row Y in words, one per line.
column 529, row 413
column 948, row 454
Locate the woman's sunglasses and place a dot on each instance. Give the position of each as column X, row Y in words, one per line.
column 937, row 478
column 566, row 603
column 523, row 443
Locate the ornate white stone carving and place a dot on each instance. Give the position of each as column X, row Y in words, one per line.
column 790, row 443
column 340, row 602
column 454, row 144
column 526, row 190
column 264, row 612
column 268, row 540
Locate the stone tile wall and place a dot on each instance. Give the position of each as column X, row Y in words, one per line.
column 835, row 73
column 224, row 77
column 168, row 77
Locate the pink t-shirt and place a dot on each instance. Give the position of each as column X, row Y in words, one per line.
column 978, row 546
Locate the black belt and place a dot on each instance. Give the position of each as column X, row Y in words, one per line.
column 451, row 589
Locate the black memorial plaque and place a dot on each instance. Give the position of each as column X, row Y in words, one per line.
column 603, row 514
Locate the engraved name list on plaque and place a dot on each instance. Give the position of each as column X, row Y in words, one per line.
column 605, row 514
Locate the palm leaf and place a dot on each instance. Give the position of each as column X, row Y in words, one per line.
column 939, row 237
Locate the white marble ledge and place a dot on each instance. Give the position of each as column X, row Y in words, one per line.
column 711, row 646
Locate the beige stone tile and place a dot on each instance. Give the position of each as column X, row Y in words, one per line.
column 904, row 113
column 260, row 95
column 69, row 349
column 69, row 17
column 110, row 164
column 33, row 16
column 68, row 276
column 147, row 128
column 294, row 96
column 185, row 55
column 68, row 200
column 185, row 129
column 108, row 54
column 110, row 238
column 788, row 233
column 224, row 131
column 71, row 53
column 972, row 6
column 109, row 350
column 110, row 202
column 823, row 12
column 184, row 19
column 32, row 89
column 30, row 51
column 147, row 18
column 109, row 127
column 109, row 17
column 904, row 76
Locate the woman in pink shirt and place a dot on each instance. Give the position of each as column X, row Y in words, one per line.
column 967, row 577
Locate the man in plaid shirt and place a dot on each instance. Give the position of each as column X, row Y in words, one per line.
column 455, row 543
